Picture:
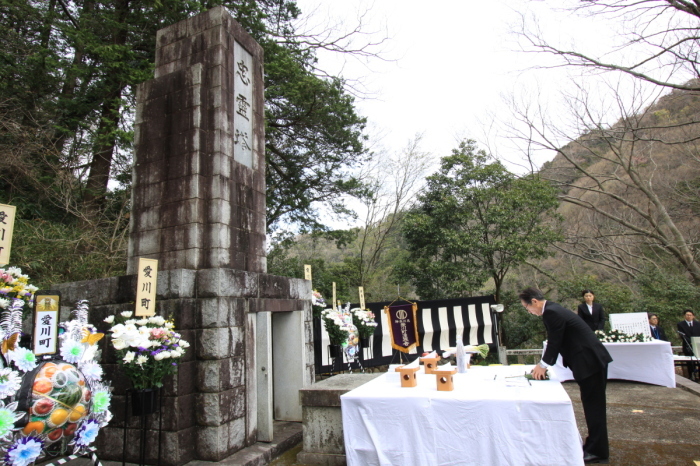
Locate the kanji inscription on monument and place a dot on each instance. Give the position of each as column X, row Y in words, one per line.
column 243, row 119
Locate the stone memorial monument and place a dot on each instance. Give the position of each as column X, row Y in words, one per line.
column 198, row 207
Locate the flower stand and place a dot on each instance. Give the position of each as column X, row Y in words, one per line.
column 144, row 402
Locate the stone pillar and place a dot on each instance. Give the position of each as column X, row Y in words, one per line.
column 198, row 206
column 199, row 162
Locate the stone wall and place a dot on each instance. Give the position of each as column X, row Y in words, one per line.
column 209, row 406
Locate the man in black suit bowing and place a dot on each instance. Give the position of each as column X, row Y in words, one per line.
column 588, row 360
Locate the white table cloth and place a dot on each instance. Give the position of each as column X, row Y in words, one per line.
column 483, row 421
column 648, row 362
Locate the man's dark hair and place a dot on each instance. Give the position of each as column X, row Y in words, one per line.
column 653, row 315
column 688, row 310
column 528, row 294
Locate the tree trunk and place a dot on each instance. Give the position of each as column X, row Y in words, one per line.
column 96, row 187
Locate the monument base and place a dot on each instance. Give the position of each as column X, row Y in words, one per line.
column 211, row 406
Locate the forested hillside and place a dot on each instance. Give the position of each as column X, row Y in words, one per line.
column 616, row 184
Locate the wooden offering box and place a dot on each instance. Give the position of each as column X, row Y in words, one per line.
column 430, row 364
column 408, row 376
column 444, row 379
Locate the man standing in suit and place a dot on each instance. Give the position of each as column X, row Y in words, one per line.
column 588, row 360
column 689, row 328
column 656, row 331
column 592, row 313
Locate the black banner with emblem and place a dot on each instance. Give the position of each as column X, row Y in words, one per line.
column 403, row 326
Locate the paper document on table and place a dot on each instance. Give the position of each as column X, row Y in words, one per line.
column 415, row 363
column 518, row 381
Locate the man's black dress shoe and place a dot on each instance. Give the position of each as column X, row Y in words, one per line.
column 588, row 458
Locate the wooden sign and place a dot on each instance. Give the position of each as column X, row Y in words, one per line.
column 7, row 225
column 146, row 287
column 334, row 301
column 361, row 291
column 47, row 305
column 307, row 272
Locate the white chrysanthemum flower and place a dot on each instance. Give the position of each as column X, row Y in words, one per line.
column 10, row 382
column 169, row 325
column 92, row 371
column 87, row 433
column 142, row 359
column 8, row 416
column 127, row 314
column 89, row 354
column 118, row 344
column 4, row 303
column 129, row 357
column 24, row 451
column 156, row 320
column 117, row 331
column 109, row 319
column 159, row 356
column 184, row 344
column 24, row 359
column 72, row 351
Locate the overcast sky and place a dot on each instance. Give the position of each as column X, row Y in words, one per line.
column 450, row 64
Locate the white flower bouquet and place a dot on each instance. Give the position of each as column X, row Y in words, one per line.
column 337, row 328
column 364, row 321
column 616, row 336
column 148, row 349
column 317, row 303
column 15, row 284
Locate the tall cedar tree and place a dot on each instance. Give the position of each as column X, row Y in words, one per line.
column 67, row 99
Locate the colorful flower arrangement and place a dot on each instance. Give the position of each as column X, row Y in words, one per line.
column 364, row 320
column 65, row 398
column 318, row 304
column 617, row 336
column 15, row 284
column 148, row 348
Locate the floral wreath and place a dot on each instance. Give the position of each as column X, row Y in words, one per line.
column 23, row 445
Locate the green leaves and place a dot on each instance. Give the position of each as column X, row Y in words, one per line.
column 475, row 221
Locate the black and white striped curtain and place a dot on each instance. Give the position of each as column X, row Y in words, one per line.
column 439, row 323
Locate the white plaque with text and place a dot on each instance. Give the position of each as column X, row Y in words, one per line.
column 146, row 287
column 7, row 224
column 243, row 139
